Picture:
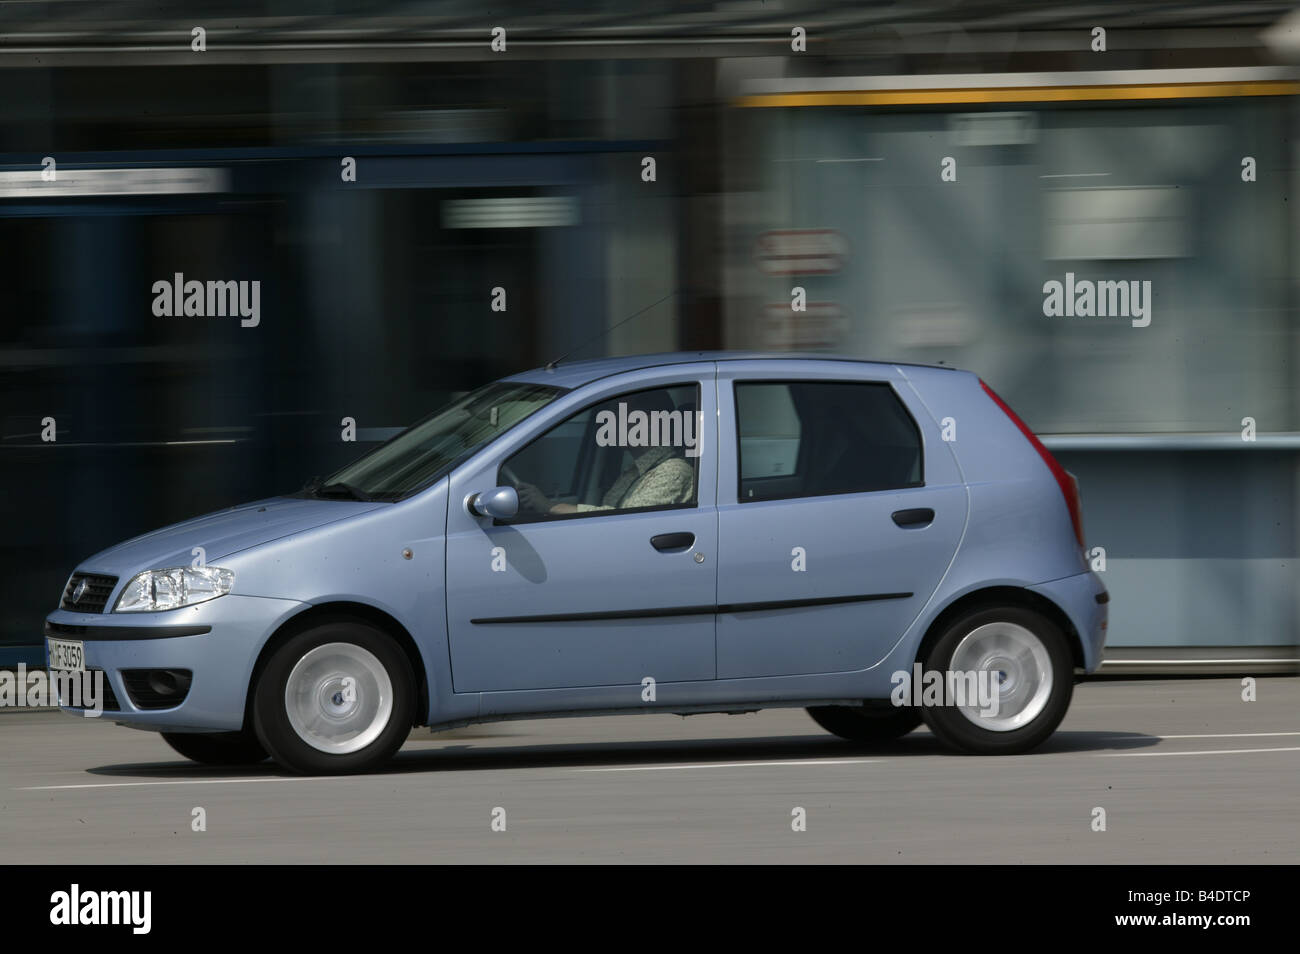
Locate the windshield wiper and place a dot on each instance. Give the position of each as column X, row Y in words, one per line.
column 338, row 487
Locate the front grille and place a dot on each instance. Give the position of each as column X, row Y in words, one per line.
column 63, row 629
column 157, row 688
column 95, row 596
column 110, row 703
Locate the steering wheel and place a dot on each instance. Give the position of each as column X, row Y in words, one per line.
column 513, row 479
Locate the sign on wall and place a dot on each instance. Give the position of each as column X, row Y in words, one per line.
column 801, row 251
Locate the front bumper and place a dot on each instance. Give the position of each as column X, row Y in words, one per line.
column 1084, row 599
column 221, row 659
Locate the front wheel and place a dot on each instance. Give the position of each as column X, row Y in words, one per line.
column 1007, row 678
column 335, row 699
column 866, row 723
column 217, row 748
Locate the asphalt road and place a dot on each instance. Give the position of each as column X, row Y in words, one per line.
column 1186, row 772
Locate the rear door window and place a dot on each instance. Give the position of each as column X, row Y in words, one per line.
column 815, row 438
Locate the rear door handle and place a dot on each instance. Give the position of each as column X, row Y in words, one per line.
column 919, row 517
column 665, row 542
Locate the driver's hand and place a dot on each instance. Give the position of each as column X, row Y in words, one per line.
column 530, row 498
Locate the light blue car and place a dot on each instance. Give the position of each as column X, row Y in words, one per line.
column 706, row 532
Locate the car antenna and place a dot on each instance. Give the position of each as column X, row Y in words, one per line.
column 550, row 365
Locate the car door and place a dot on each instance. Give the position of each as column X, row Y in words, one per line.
column 839, row 511
column 620, row 590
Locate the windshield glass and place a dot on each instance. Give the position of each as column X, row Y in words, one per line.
column 423, row 452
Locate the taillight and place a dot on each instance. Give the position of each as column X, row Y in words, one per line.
column 1064, row 479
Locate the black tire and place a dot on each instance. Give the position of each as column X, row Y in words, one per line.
column 961, row 732
column 217, row 748
column 275, row 726
column 871, row 722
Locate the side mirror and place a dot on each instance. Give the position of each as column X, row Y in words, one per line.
column 499, row 502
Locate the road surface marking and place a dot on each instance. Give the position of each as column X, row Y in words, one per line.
column 188, row 781
column 1121, row 755
column 1235, row 734
column 708, row 765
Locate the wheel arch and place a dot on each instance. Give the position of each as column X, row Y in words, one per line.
column 318, row 614
column 995, row 596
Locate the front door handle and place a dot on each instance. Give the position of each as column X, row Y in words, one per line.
column 668, row 542
column 919, row 517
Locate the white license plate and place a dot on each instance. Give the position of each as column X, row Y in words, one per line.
column 67, row 654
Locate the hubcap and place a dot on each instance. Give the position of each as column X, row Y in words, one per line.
column 1021, row 674
column 338, row 698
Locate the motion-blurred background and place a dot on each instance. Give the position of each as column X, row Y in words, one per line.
column 1117, row 156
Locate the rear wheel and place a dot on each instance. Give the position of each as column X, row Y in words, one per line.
column 217, row 748
column 1024, row 658
column 335, row 699
column 872, row 722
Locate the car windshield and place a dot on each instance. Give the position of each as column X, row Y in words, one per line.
column 423, row 452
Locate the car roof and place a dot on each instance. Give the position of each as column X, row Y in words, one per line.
column 572, row 374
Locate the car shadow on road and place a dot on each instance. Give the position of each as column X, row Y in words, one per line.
column 423, row 753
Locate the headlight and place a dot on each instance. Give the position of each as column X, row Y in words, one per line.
column 168, row 589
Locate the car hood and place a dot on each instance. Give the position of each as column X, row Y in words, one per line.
column 221, row 534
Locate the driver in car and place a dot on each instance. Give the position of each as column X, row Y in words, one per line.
column 657, row 477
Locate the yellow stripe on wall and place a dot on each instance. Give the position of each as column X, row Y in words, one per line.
column 1027, row 94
